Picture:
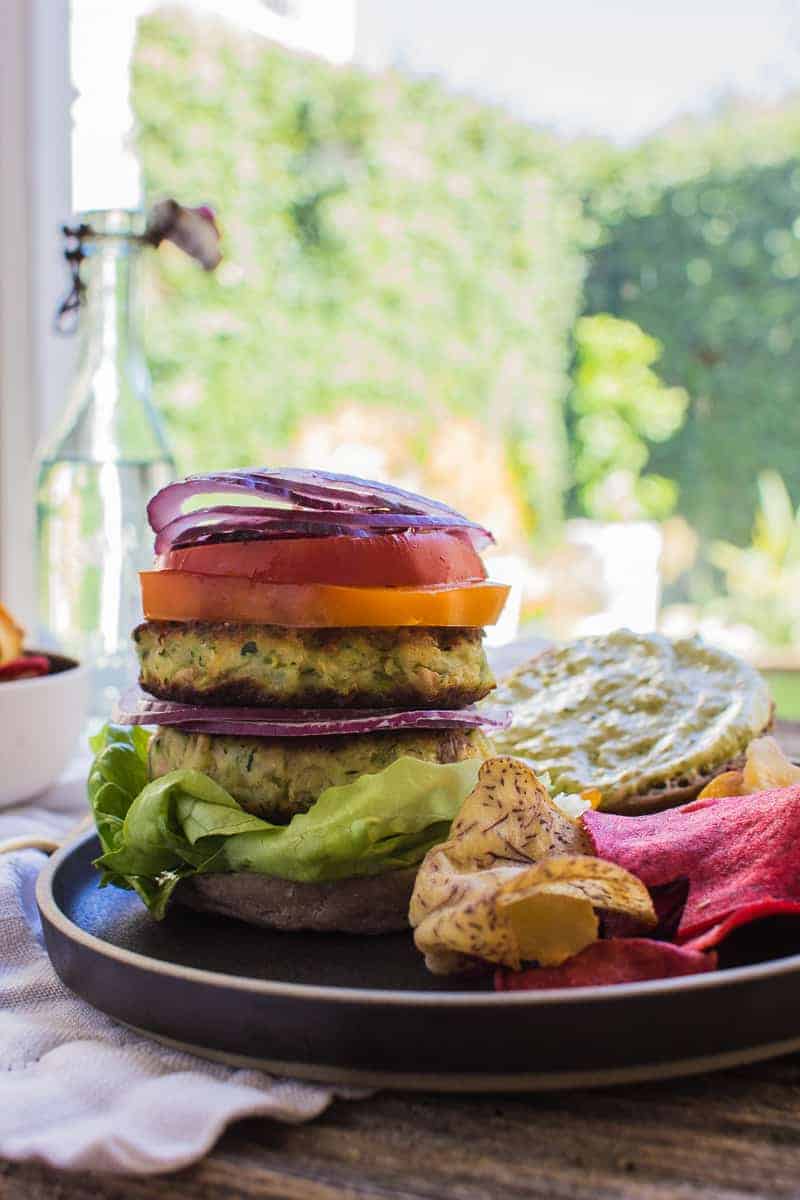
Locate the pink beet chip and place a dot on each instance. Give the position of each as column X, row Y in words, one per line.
column 740, row 855
column 610, row 961
column 26, row 667
column 757, row 911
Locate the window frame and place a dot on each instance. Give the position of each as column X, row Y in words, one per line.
column 35, row 182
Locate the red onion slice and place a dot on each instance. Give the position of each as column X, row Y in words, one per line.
column 138, row 708
column 194, row 528
column 324, row 502
column 320, row 490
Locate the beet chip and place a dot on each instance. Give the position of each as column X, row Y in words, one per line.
column 28, row 666
column 740, row 855
column 758, row 910
column 615, row 960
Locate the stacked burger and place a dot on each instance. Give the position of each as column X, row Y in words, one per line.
column 311, row 659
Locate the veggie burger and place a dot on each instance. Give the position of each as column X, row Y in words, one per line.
column 311, row 657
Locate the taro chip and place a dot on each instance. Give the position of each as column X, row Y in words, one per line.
column 12, row 636
column 739, row 854
column 729, row 783
column 611, row 961
column 516, row 881
column 766, row 766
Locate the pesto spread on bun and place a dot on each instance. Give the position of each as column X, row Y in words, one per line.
column 644, row 720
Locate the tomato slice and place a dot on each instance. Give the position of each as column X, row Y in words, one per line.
column 186, row 596
column 385, row 560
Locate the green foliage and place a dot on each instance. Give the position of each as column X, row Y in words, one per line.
column 618, row 405
column 392, row 246
column 387, row 244
column 711, row 267
column 784, row 688
column 762, row 580
column 621, row 183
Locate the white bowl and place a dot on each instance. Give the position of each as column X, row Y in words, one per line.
column 40, row 722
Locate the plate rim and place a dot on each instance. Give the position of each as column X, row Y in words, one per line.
column 461, row 1082
column 50, row 911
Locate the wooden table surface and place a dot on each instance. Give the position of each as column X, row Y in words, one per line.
column 724, row 1136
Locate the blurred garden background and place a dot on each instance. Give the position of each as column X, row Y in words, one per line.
column 592, row 345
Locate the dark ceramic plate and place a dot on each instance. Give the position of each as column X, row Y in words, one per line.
column 364, row 1010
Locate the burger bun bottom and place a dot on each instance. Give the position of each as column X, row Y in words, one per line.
column 371, row 904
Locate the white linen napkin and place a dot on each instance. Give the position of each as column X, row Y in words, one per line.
column 79, row 1091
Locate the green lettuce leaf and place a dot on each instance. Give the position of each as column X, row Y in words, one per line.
column 155, row 834
column 117, row 775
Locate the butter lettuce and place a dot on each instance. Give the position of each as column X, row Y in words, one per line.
column 155, row 834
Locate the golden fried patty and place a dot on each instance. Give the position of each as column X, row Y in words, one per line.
column 277, row 777
column 203, row 662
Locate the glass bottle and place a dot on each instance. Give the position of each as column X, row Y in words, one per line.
column 97, row 470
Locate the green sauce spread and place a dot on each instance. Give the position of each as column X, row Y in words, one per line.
column 629, row 712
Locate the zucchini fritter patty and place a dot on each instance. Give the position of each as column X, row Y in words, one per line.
column 204, row 662
column 277, row 777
